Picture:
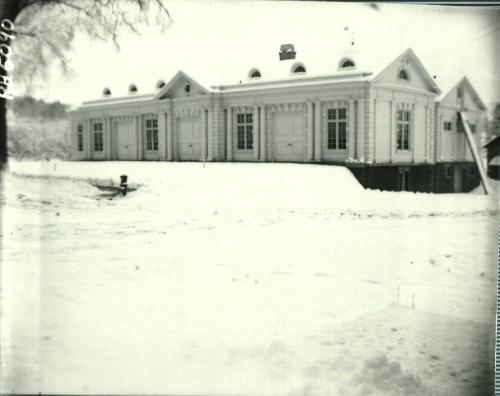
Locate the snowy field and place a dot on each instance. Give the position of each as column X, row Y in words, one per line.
column 242, row 279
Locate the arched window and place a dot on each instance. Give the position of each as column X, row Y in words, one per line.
column 298, row 68
column 346, row 63
column 160, row 84
column 187, row 88
column 132, row 89
column 403, row 75
column 254, row 73
column 106, row 92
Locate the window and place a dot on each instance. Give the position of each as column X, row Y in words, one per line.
column 447, row 171
column 152, row 134
column 187, row 89
column 244, row 125
column 447, row 126
column 337, row 129
column 346, row 63
column 403, row 75
column 459, row 93
column 404, row 179
column 80, row 138
column 254, row 73
column 472, row 171
column 132, row 89
column 472, row 128
column 403, row 130
column 298, row 68
column 160, row 84
column 98, row 137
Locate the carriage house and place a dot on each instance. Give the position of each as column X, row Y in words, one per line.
column 384, row 123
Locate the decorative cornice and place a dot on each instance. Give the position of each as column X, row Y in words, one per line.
column 188, row 112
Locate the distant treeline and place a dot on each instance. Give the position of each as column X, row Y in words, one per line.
column 27, row 106
column 37, row 129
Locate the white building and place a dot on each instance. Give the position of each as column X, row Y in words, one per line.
column 381, row 118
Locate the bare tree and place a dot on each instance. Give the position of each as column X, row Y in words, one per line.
column 44, row 32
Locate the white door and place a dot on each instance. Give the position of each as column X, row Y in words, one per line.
column 126, row 141
column 289, row 136
column 189, row 132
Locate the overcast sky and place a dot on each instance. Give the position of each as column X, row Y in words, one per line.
column 450, row 41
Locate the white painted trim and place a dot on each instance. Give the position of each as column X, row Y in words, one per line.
column 294, row 81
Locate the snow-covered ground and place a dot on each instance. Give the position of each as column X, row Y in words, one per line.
column 252, row 279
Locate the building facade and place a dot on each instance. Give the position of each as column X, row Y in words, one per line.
column 385, row 125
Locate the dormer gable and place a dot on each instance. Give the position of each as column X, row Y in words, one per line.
column 180, row 86
column 406, row 71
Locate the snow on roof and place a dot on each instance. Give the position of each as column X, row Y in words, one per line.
column 212, row 73
column 110, row 100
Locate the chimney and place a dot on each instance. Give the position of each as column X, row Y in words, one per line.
column 287, row 52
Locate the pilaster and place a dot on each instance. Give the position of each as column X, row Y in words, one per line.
column 229, row 134
column 204, row 134
column 256, row 132
column 351, row 141
column 263, row 143
column 310, row 131
column 162, row 134
column 317, row 131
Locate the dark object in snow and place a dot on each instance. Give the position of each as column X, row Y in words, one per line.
column 114, row 191
column 123, row 184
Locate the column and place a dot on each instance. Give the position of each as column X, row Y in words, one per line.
column 317, row 131
column 112, row 139
column 256, row 132
column 229, row 135
column 351, row 131
column 74, row 137
column 108, row 138
column 210, row 133
column 412, row 133
column 263, row 135
column 162, row 134
column 356, row 129
column 138, row 136
column 170, row 134
column 361, row 130
column 391, row 130
column 374, row 157
column 310, row 131
column 203, row 134
column 426, row 135
column 88, row 133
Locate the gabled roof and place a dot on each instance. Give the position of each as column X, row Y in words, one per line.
column 410, row 54
column 321, row 62
column 180, row 75
column 464, row 82
column 229, row 66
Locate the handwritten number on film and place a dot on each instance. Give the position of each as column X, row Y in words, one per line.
column 6, row 29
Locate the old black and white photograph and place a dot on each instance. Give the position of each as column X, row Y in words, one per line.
column 248, row 198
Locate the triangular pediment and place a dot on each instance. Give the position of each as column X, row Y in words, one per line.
column 417, row 75
column 181, row 86
column 471, row 99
